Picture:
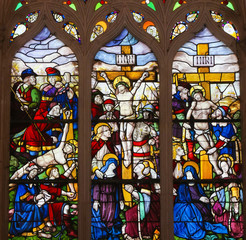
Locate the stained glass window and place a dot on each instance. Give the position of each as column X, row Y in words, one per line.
column 192, row 16
column 100, row 4
column 227, row 26
column 43, row 189
column 178, row 4
column 111, row 17
column 125, row 160
column 151, row 29
column 150, row 4
column 32, row 17
column 72, row 30
column 138, row 17
column 216, row 16
column 99, row 29
column 18, row 30
column 178, row 28
column 58, row 17
column 207, row 155
column 20, row 4
column 228, row 4
column 71, row 5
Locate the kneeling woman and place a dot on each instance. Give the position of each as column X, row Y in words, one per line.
column 192, row 213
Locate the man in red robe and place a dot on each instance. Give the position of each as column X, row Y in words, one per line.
column 36, row 138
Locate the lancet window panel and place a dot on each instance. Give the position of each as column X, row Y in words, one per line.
column 207, row 154
column 43, row 188
column 125, row 165
column 136, row 173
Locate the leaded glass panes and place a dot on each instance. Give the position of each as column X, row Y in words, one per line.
column 99, row 29
column 151, row 29
column 229, row 28
column 125, row 160
column 72, row 30
column 138, row 17
column 20, row 4
column 192, row 16
column 43, row 189
column 100, row 4
column 71, row 5
column 32, row 17
column 178, row 4
column 18, row 30
column 207, row 155
column 150, row 4
column 58, row 17
column 178, row 28
column 112, row 16
column 228, row 4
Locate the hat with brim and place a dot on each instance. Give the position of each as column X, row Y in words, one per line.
column 28, row 72
column 52, row 72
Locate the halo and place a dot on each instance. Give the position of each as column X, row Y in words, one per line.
column 121, row 79
column 193, row 164
column 108, row 156
column 199, row 88
column 103, row 24
column 224, row 157
column 100, row 125
column 147, row 24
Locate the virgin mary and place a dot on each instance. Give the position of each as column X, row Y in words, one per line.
column 192, row 213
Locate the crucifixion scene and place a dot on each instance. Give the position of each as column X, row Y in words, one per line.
column 43, row 188
column 207, row 154
column 125, row 141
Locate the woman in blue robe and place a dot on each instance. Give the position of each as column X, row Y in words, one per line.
column 28, row 218
column 105, row 222
column 192, row 213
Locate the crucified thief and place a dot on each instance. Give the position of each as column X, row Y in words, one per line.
column 200, row 109
column 121, row 89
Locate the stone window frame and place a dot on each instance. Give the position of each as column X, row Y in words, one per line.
column 164, row 19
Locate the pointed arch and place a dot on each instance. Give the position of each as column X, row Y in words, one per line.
column 164, row 19
column 125, row 140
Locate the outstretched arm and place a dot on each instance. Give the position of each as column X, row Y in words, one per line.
column 110, row 86
column 137, row 84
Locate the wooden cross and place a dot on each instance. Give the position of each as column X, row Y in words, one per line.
column 126, row 70
column 204, row 77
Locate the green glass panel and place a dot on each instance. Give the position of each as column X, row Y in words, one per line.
column 177, row 5
column 98, row 6
column 152, row 6
column 19, row 5
column 230, row 5
column 73, row 6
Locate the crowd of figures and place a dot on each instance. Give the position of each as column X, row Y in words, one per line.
column 124, row 145
column 206, row 146
column 43, row 195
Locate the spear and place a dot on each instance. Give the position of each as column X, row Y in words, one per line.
column 28, row 114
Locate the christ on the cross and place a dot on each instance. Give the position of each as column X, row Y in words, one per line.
column 121, row 89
